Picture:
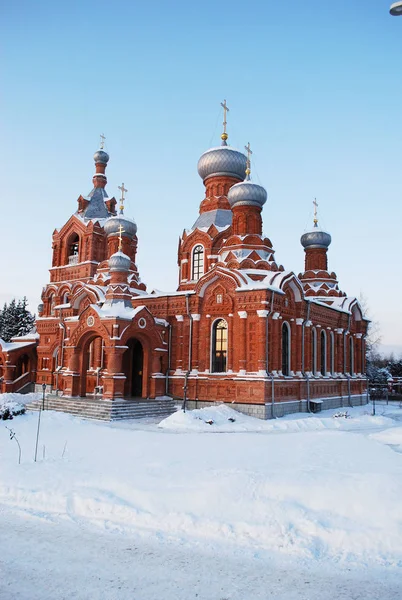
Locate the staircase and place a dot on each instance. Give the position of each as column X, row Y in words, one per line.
column 108, row 410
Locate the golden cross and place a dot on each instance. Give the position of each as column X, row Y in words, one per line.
column 315, row 211
column 123, row 189
column 224, row 135
column 102, row 142
column 121, row 230
column 249, row 153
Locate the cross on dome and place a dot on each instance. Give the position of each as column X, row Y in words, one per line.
column 102, row 141
column 315, row 212
column 249, row 153
column 224, row 135
column 123, row 189
column 121, row 230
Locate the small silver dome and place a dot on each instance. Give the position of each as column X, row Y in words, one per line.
column 247, row 192
column 101, row 157
column 40, row 308
column 119, row 262
column 315, row 239
column 222, row 160
column 112, row 226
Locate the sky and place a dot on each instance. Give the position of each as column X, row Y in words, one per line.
column 314, row 86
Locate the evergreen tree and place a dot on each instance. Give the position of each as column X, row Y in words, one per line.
column 15, row 320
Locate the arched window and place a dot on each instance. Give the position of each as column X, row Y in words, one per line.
column 219, row 346
column 314, row 351
column 331, row 352
column 52, row 304
column 285, row 349
column 323, row 353
column 73, row 250
column 66, row 298
column 351, row 357
column 197, row 263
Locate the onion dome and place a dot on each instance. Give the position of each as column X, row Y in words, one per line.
column 222, row 161
column 118, row 223
column 247, row 193
column 317, row 238
column 101, row 157
column 119, row 262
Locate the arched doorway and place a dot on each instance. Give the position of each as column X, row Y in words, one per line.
column 91, row 367
column 133, row 368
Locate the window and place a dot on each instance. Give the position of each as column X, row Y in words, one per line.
column 198, row 263
column 323, row 353
column 52, row 304
column 219, row 346
column 74, row 245
column 314, row 351
column 351, row 357
column 219, row 298
column 285, row 349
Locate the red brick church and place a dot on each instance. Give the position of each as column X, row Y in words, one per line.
column 239, row 329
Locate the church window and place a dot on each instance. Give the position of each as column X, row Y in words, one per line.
column 323, row 353
column 314, row 351
column 219, row 298
column 351, row 357
column 52, row 303
column 73, row 250
column 219, row 346
column 285, row 349
column 198, row 262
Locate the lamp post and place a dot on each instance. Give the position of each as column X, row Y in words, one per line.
column 396, row 9
column 43, row 396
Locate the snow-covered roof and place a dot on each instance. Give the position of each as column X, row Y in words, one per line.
column 220, row 217
column 117, row 309
column 10, row 346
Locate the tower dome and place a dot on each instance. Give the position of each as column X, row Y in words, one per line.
column 316, row 238
column 222, row 160
column 247, row 192
column 119, row 262
column 114, row 225
column 101, row 157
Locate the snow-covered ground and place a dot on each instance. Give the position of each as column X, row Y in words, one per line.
column 303, row 507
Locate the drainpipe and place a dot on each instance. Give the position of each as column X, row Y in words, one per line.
column 190, row 346
column 305, row 374
column 266, row 357
column 62, row 325
column 169, row 360
column 344, row 359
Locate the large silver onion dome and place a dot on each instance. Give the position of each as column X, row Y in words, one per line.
column 119, row 262
column 222, row 160
column 101, row 157
column 112, row 226
column 247, row 193
column 315, row 239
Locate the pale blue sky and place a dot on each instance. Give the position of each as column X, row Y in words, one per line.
column 316, row 89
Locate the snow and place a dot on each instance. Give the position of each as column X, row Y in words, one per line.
column 14, row 401
column 117, row 309
column 304, row 507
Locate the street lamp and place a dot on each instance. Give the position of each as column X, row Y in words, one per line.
column 396, row 9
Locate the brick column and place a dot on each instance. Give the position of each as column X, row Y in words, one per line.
column 242, row 342
column 230, row 344
column 297, row 366
column 339, row 351
column 262, row 342
column 196, row 343
column 179, row 346
column 274, row 342
column 358, row 353
column 308, row 357
column 208, row 344
column 113, row 378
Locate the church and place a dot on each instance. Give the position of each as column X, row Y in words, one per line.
column 239, row 328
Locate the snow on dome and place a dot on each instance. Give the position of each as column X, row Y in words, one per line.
column 247, row 192
column 119, row 262
column 112, row 226
column 222, row 160
column 317, row 238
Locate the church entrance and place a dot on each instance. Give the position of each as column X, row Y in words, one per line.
column 92, row 365
column 133, row 367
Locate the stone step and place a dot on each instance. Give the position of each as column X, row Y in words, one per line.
column 108, row 410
